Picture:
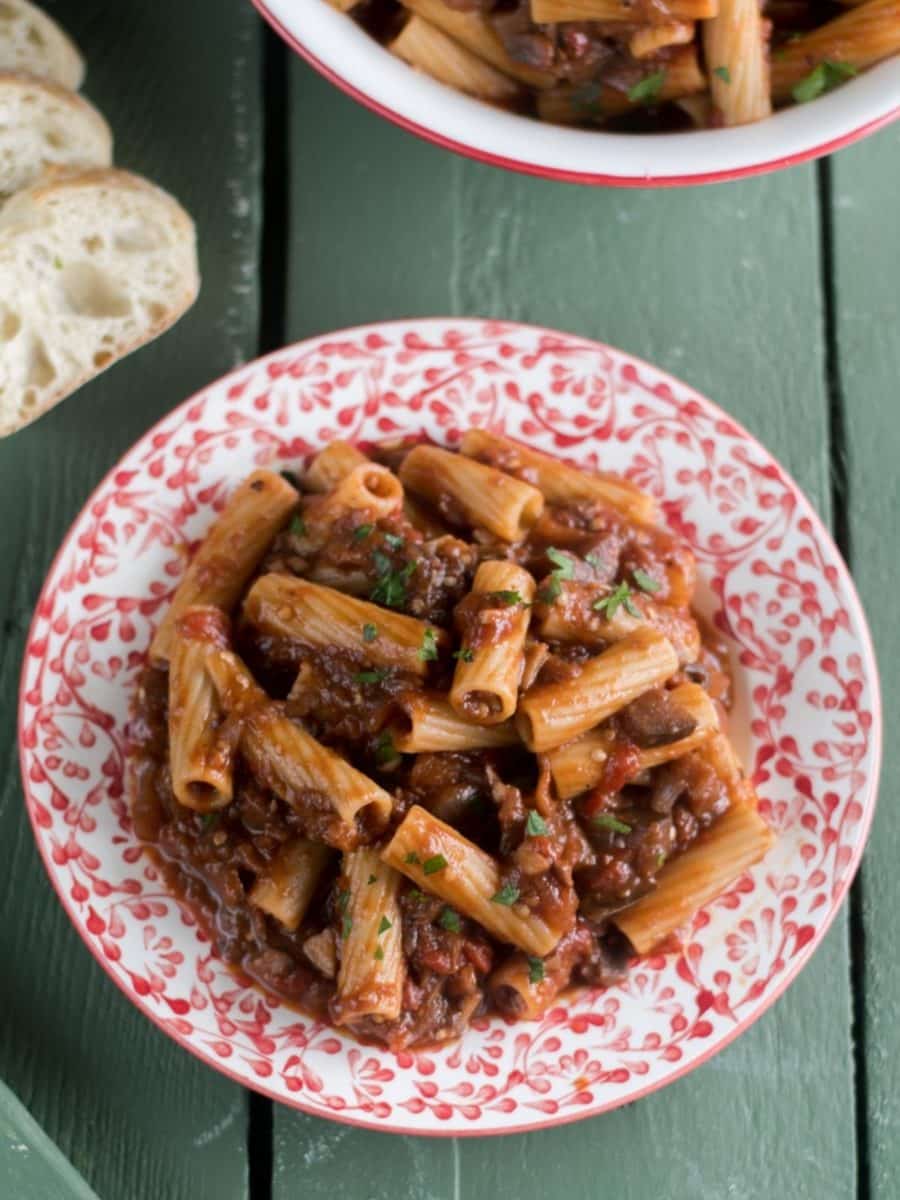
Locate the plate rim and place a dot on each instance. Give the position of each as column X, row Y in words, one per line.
column 800, row 960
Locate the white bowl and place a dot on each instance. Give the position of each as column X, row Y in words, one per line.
column 349, row 57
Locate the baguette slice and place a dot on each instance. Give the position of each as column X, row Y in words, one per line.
column 43, row 125
column 31, row 41
column 93, row 264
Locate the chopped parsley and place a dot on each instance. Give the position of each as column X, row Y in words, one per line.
column 385, row 750
column 507, row 895
column 660, row 859
column 210, row 821
column 644, row 581
column 647, row 89
column 821, row 79
column 415, row 894
column 509, row 598
column 384, row 926
column 58, row 263
column 370, row 632
column 464, row 655
column 535, row 970
column 372, row 879
column 428, row 651
column 565, row 567
column 437, row 862
column 395, row 541
column 535, row 826
column 613, row 824
column 390, row 590
column 449, row 920
column 618, row 597
column 378, row 954
column 723, row 73
column 378, row 676
column 362, row 531
column 298, row 525
column 594, row 560
column 412, row 857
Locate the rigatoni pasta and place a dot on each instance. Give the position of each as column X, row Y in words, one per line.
column 202, row 751
column 493, row 625
column 285, row 888
column 219, row 570
column 557, row 712
column 441, row 861
column 324, row 617
column 467, row 491
column 406, row 776
column 372, row 971
column 639, row 65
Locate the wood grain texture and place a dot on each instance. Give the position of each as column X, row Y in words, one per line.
column 866, row 185
column 723, row 287
column 140, row 1118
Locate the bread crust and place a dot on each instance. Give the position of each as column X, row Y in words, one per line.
column 61, row 62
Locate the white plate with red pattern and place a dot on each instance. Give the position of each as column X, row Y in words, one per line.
column 808, row 717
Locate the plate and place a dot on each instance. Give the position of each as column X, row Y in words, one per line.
column 808, row 706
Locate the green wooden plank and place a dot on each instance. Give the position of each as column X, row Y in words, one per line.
column 866, row 185
column 31, row 1166
column 137, row 1115
column 721, row 286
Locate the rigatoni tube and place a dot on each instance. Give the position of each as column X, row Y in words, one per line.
column 372, row 971
column 473, row 30
column 284, row 890
column 368, row 489
column 428, row 48
column 579, row 765
column 484, row 497
column 737, row 840
column 427, row 722
column 331, row 465
column 559, row 482
column 441, row 861
column 286, row 607
column 292, row 764
column 201, row 753
column 737, row 57
column 857, row 39
column 229, row 553
column 494, row 624
column 553, row 713
column 572, row 617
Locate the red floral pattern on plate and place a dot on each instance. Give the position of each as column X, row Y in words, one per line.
column 808, row 713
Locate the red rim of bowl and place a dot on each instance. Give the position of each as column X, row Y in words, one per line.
column 784, row 983
column 526, row 168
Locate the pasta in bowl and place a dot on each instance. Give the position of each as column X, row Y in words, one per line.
column 481, row 753
column 202, row 864
column 572, row 88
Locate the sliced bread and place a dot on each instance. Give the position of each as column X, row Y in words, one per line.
column 42, row 125
column 31, row 41
column 93, row 264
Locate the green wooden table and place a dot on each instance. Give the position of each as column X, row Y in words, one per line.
column 777, row 297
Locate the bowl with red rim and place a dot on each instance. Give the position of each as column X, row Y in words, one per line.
column 807, row 719
column 348, row 56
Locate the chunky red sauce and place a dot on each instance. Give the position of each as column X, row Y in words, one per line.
column 572, row 863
